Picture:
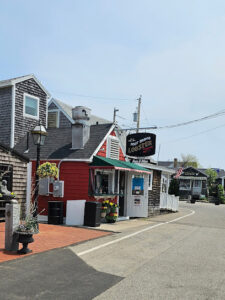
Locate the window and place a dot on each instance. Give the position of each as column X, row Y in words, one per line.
column 53, row 119
column 197, row 183
column 31, row 106
column 8, row 171
column 164, row 184
column 185, row 184
column 150, row 178
column 104, row 182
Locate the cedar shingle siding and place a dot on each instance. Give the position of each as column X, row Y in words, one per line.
column 25, row 124
column 63, row 121
column 5, row 115
column 52, row 106
column 19, row 182
column 154, row 194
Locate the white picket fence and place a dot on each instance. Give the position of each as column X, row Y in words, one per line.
column 169, row 202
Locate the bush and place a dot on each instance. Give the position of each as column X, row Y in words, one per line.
column 174, row 187
column 220, row 194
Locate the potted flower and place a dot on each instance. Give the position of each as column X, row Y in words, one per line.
column 25, row 231
column 48, row 170
column 112, row 215
column 104, row 209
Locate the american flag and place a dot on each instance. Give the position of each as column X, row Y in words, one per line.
column 179, row 172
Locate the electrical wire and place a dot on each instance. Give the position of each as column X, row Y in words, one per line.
column 215, row 115
column 193, row 135
column 95, row 97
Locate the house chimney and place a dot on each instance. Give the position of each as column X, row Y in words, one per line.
column 81, row 127
column 175, row 163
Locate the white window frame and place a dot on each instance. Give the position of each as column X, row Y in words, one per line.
column 150, row 179
column 111, row 178
column 24, row 106
column 164, row 183
column 182, row 188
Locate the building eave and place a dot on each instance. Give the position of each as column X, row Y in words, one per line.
column 11, row 82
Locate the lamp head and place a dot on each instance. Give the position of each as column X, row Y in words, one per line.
column 39, row 134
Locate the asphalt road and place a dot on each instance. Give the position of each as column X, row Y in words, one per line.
column 180, row 260
column 164, row 259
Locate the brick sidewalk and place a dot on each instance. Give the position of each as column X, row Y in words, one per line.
column 50, row 237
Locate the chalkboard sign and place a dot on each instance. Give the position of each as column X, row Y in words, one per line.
column 141, row 144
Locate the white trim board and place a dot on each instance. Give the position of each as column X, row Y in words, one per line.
column 60, row 109
column 13, row 81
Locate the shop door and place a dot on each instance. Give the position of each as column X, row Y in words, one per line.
column 137, row 195
column 121, row 193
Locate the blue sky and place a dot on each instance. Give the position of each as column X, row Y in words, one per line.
column 171, row 52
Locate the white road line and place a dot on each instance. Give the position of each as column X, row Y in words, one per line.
column 132, row 234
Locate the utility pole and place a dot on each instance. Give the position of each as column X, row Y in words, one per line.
column 138, row 113
column 114, row 114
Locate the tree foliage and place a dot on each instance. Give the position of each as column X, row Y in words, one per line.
column 212, row 175
column 189, row 160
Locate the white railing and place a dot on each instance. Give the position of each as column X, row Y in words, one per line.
column 169, row 202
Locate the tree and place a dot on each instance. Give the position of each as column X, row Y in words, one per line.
column 212, row 175
column 189, row 160
column 174, row 187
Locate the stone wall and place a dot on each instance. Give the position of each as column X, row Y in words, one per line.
column 5, row 115
column 154, row 194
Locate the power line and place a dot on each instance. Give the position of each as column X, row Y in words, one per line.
column 193, row 135
column 215, row 115
column 95, row 97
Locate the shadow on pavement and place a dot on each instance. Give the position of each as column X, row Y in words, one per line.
column 56, row 274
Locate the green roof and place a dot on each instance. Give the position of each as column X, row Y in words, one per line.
column 99, row 161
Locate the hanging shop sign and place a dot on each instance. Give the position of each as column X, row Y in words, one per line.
column 141, row 144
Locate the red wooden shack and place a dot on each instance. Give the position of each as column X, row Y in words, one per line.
column 92, row 165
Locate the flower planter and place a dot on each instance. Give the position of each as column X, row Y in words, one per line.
column 103, row 214
column 25, row 239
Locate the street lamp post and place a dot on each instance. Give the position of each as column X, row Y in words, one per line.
column 39, row 134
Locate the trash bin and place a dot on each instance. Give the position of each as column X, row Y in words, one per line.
column 92, row 214
column 55, row 212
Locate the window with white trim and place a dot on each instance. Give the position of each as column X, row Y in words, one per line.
column 31, row 106
column 185, row 184
column 164, row 183
column 113, row 147
column 53, row 119
column 150, row 178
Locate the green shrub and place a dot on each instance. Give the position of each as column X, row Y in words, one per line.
column 174, row 187
column 220, row 194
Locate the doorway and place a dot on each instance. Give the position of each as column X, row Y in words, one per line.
column 121, row 193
